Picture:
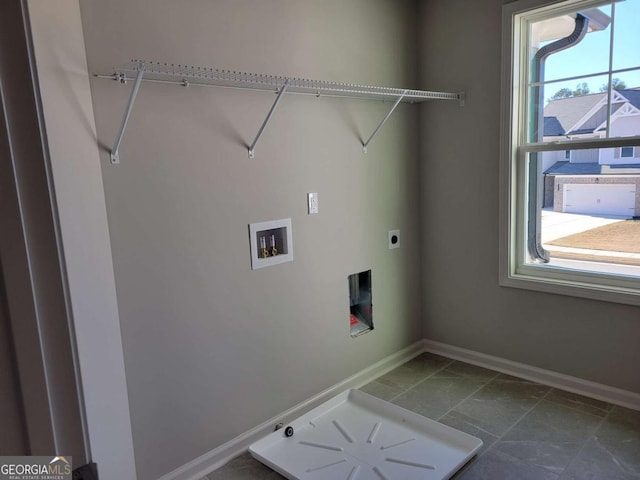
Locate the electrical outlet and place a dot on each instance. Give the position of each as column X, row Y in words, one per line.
column 394, row 239
column 312, row 203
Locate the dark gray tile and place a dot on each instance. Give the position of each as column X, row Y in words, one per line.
column 417, row 402
column 380, row 390
column 468, row 371
column 414, row 371
column 403, row 377
column 494, row 417
column 579, row 402
column 428, row 363
column 549, row 436
column 497, row 406
column 462, row 423
column 244, row 467
column 467, row 466
column 619, row 437
column 557, row 420
column 499, row 466
column 518, row 387
column 510, row 378
column 625, row 418
column 435, row 396
column 596, row 462
column 503, row 377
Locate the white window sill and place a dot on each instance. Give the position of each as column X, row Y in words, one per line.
column 608, row 282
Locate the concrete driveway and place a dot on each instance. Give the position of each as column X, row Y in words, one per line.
column 557, row 225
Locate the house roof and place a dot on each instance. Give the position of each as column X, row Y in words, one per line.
column 567, row 111
column 568, row 168
column 633, row 95
column 552, row 127
column 563, row 114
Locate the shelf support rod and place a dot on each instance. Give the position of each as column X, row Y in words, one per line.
column 266, row 120
column 384, row 120
column 115, row 156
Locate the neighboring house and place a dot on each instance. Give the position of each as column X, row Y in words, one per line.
column 599, row 182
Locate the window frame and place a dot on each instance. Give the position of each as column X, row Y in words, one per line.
column 514, row 266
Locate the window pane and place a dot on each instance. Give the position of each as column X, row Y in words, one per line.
column 587, row 56
column 583, row 112
column 626, row 53
column 565, row 103
column 625, row 105
column 571, row 110
column 589, row 214
column 629, row 80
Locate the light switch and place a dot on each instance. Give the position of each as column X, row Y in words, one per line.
column 312, row 203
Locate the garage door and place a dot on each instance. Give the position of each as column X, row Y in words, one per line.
column 599, row 199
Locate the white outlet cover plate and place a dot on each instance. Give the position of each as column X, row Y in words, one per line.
column 392, row 234
column 355, row 436
column 312, row 203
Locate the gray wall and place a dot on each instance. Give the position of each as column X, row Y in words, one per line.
column 463, row 304
column 212, row 348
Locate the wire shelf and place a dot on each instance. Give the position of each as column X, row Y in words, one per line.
column 186, row 75
column 193, row 75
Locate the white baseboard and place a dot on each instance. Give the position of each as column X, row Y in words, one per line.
column 595, row 390
column 199, row 467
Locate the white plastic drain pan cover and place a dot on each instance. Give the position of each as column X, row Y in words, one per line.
column 355, row 436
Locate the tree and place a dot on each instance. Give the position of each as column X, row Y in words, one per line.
column 562, row 93
column 616, row 83
column 581, row 89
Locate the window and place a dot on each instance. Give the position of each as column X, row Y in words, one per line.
column 626, row 152
column 572, row 92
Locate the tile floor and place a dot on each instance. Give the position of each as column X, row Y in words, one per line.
column 530, row 431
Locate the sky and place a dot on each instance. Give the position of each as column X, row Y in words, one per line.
column 591, row 55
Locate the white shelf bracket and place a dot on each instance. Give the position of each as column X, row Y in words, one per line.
column 266, row 120
column 384, row 120
column 115, row 157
